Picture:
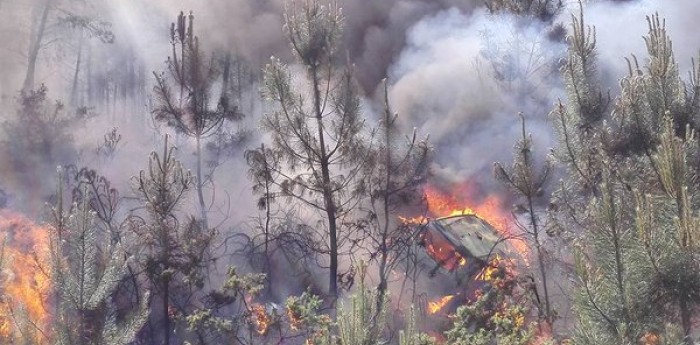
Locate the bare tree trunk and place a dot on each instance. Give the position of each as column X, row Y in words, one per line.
column 35, row 46
column 90, row 95
column 327, row 191
column 619, row 266
column 74, row 88
column 239, row 78
column 114, row 97
column 268, row 215
column 200, row 184
column 383, row 269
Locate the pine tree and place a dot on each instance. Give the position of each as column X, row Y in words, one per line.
column 189, row 108
column 529, row 183
column 399, row 166
column 38, row 33
column 363, row 321
column 544, row 10
column 411, row 336
column 172, row 251
column 497, row 315
column 630, row 201
column 668, row 228
column 86, row 270
column 317, row 137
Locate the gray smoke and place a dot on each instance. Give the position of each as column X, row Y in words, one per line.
column 456, row 72
column 375, row 31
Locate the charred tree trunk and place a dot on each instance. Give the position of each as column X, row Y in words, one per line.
column 384, row 250
column 686, row 320
column 89, row 94
column 540, row 261
column 200, row 183
column 166, row 312
column 268, row 216
column 226, row 77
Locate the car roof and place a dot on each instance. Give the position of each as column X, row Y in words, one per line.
column 471, row 236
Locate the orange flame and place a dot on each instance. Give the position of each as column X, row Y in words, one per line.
column 26, row 280
column 437, row 305
column 295, row 320
column 490, row 209
column 489, row 272
column 261, row 319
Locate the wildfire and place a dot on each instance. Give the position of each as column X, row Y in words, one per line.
column 490, row 209
column 437, row 305
column 25, row 281
column 496, row 265
column 261, row 320
column 295, row 320
column 440, row 249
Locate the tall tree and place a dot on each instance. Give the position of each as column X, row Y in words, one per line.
column 399, row 166
column 589, row 205
column 49, row 19
column 317, row 131
column 189, row 108
column 528, row 182
column 85, row 27
column 35, row 41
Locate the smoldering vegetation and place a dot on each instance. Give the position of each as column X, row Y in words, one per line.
column 263, row 171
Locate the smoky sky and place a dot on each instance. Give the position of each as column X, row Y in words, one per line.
column 456, row 73
column 375, row 31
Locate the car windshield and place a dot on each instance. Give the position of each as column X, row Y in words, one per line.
column 440, row 249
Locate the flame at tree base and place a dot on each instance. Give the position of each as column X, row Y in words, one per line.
column 261, row 320
column 437, row 305
column 25, row 282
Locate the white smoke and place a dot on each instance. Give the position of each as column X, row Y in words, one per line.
column 464, row 78
column 620, row 27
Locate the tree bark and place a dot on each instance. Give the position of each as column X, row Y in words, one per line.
column 540, row 259
column 327, row 190
column 76, row 74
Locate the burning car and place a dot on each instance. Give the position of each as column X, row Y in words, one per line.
column 458, row 249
